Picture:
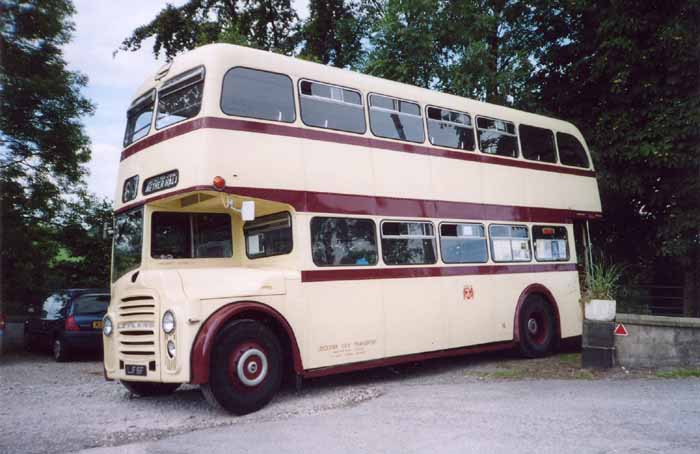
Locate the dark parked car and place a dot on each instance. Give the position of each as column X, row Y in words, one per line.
column 70, row 321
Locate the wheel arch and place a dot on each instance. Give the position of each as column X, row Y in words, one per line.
column 200, row 356
column 530, row 290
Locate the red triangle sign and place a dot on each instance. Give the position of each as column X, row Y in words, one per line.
column 620, row 330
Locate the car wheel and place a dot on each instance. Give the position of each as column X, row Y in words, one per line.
column 145, row 389
column 537, row 326
column 59, row 350
column 246, row 367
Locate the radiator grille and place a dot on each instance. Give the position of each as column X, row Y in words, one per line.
column 137, row 325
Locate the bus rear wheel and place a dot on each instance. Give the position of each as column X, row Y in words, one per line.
column 537, row 327
column 246, row 368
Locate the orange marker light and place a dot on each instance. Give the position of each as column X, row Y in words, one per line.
column 219, row 183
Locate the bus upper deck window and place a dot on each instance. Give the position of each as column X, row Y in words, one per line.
column 395, row 119
column 537, row 143
column 497, row 137
column 448, row 128
column 571, row 151
column 258, row 94
column 331, row 107
column 180, row 98
column 138, row 117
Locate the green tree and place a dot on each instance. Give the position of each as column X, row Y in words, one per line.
column 405, row 42
column 263, row 24
column 43, row 147
column 628, row 74
column 333, row 33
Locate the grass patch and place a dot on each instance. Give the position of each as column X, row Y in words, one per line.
column 570, row 358
column 679, row 373
column 511, row 374
column 583, row 375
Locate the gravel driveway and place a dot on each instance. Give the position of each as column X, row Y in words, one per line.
column 48, row 407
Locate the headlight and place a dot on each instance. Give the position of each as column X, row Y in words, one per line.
column 171, row 349
column 168, row 322
column 107, row 326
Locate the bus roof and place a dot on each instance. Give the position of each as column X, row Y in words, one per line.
column 221, row 57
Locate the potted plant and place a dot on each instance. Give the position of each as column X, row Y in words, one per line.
column 601, row 287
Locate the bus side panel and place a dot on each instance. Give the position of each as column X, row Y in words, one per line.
column 415, row 315
column 229, row 153
column 448, row 174
column 345, row 321
column 334, row 167
column 470, row 301
column 402, row 175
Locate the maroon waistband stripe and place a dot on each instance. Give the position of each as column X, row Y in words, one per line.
column 326, row 136
column 357, row 274
column 349, row 204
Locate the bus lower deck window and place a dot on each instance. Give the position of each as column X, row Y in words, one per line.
column 509, row 243
column 551, row 243
column 268, row 235
column 463, row 243
column 343, row 242
column 190, row 235
column 408, row 243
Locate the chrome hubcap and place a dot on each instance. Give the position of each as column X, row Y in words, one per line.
column 532, row 326
column 252, row 367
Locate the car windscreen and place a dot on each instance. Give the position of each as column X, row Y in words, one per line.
column 91, row 305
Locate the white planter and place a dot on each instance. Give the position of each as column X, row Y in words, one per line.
column 600, row 310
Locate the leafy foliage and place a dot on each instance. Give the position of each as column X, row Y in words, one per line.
column 333, row 33
column 43, row 149
column 263, row 24
column 603, row 280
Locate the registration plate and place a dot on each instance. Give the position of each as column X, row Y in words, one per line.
column 135, row 369
column 97, row 324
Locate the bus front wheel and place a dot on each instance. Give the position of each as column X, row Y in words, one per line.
column 537, row 327
column 246, row 367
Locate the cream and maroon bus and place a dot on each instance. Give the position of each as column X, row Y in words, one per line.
column 275, row 216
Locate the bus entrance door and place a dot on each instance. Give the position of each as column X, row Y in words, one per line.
column 582, row 242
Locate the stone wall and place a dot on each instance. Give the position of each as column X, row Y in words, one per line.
column 655, row 341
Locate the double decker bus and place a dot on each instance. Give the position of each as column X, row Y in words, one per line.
column 276, row 216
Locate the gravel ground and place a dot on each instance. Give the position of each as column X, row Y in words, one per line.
column 48, row 407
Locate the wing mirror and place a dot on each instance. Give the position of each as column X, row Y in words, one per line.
column 248, row 210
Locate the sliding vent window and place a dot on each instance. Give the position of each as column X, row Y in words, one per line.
column 138, row 118
column 537, row 144
column 268, row 235
column 509, row 243
column 447, row 128
column 190, row 235
column 395, row 119
column 258, row 94
column 180, row 98
column 463, row 243
column 343, row 242
column 331, row 107
column 497, row 137
column 571, row 152
column 551, row 243
column 408, row 243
